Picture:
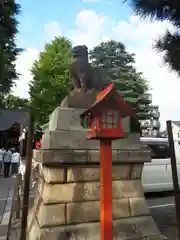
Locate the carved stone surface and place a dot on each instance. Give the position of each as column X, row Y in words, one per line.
column 62, row 119
column 88, row 191
column 76, row 139
column 79, row 100
column 85, row 157
column 138, row 228
column 83, row 76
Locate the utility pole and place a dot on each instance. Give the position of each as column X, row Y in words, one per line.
column 174, row 175
column 28, row 163
column 19, row 179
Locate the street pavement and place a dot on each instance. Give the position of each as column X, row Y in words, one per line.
column 163, row 212
column 6, row 196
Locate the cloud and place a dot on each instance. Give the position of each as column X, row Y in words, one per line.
column 52, row 30
column 165, row 84
column 23, row 65
column 90, row 28
column 138, row 36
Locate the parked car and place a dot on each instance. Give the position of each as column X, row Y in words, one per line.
column 157, row 175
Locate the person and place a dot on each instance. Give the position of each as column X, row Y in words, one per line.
column 1, row 159
column 7, row 162
column 38, row 144
column 15, row 162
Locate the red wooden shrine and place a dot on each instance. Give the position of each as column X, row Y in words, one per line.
column 105, row 123
column 106, row 115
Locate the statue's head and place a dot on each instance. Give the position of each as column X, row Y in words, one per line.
column 80, row 51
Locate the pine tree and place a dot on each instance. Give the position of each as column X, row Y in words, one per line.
column 9, row 10
column 116, row 64
column 162, row 10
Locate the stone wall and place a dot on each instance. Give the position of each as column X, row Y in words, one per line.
column 67, row 205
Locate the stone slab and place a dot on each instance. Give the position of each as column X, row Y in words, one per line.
column 89, row 191
column 69, row 119
column 65, row 119
column 74, row 157
column 89, row 211
column 123, row 229
column 77, row 139
column 79, row 100
column 81, row 174
column 89, row 174
column 136, row 171
column 54, row 175
column 138, row 206
column 51, row 215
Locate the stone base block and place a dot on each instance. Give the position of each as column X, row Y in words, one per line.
column 77, row 139
column 63, row 119
column 79, row 100
column 89, row 211
column 138, row 228
column 89, row 191
column 60, row 158
column 84, row 212
column 54, row 175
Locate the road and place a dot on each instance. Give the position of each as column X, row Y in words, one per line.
column 163, row 212
column 6, row 193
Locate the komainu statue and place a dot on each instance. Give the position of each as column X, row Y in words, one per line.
column 83, row 76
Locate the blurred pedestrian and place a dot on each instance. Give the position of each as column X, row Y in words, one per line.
column 7, row 162
column 15, row 162
column 1, row 159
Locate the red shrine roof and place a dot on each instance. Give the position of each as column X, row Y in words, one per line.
column 110, row 95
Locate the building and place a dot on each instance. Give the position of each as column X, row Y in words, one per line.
column 10, row 124
column 176, row 129
column 151, row 127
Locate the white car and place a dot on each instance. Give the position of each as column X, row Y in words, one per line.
column 157, row 175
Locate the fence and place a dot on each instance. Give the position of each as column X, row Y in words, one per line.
column 17, row 206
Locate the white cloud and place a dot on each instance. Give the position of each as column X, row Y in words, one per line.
column 52, row 30
column 138, row 36
column 23, row 66
column 90, row 28
column 165, row 84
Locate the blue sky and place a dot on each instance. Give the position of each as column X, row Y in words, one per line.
column 36, row 13
column 90, row 22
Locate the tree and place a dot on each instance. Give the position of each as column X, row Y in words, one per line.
column 8, row 50
column 50, row 82
column 14, row 102
column 161, row 10
column 116, row 64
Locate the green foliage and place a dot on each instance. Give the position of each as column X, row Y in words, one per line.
column 50, row 82
column 116, row 64
column 8, row 50
column 161, row 10
column 169, row 44
column 14, row 102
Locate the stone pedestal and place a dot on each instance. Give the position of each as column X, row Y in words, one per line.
column 67, row 205
column 79, row 100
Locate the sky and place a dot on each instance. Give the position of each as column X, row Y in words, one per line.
column 89, row 22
